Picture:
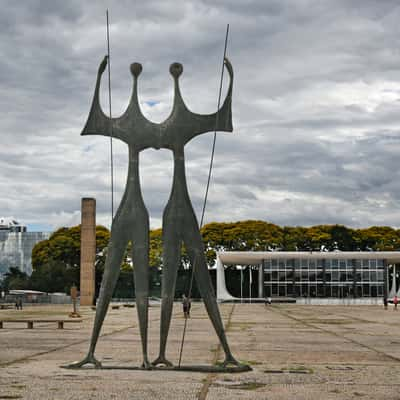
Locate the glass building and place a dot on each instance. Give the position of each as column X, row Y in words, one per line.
column 316, row 274
column 16, row 246
column 323, row 277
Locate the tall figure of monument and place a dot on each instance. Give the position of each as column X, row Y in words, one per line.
column 179, row 220
column 131, row 221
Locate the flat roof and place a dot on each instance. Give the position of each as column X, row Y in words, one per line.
column 256, row 257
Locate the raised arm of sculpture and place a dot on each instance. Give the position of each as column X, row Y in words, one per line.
column 98, row 123
column 192, row 124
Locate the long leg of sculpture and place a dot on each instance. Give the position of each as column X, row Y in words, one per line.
column 116, row 250
column 195, row 248
column 140, row 257
column 171, row 261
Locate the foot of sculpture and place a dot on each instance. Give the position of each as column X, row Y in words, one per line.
column 162, row 361
column 229, row 361
column 89, row 359
column 146, row 364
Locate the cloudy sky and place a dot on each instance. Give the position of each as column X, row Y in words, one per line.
column 316, row 107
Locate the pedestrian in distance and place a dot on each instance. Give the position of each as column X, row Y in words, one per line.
column 395, row 301
column 385, row 303
column 186, row 304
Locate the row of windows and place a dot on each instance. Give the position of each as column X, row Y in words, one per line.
column 320, row 263
column 328, row 276
column 323, row 278
column 312, row 290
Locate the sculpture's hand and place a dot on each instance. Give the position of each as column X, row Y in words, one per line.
column 103, row 65
column 228, row 66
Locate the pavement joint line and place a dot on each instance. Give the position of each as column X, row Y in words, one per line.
column 311, row 325
column 211, row 377
column 6, row 364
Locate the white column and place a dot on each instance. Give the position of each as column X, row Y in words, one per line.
column 222, row 291
column 261, row 280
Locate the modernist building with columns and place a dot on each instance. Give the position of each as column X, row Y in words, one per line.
column 305, row 275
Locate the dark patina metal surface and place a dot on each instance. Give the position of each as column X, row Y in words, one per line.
column 180, row 225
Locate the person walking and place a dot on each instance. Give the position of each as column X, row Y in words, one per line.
column 395, row 301
column 186, row 304
column 385, row 303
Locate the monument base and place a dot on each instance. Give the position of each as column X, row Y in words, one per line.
column 183, row 368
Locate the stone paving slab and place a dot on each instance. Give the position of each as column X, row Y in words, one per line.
column 296, row 352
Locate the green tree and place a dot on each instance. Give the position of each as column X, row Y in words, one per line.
column 15, row 279
column 56, row 261
column 378, row 238
column 241, row 236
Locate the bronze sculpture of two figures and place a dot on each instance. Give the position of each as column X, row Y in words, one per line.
column 131, row 222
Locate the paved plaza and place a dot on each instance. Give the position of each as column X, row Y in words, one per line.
column 296, row 352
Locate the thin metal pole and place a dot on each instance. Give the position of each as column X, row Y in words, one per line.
column 111, row 123
column 215, row 130
column 208, row 185
column 241, row 284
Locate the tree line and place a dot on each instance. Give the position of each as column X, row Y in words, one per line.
column 56, row 261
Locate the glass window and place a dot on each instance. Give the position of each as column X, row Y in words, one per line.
column 304, row 275
column 372, row 263
column 304, row 290
column 335, row 291
column 349, row 276
column 335, row 276
column 380, row 275
column 328, row 277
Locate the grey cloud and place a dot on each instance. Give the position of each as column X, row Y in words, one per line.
column 303, row 151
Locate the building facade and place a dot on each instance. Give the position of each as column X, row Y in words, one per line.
column 16, row 245
column 317, row 274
